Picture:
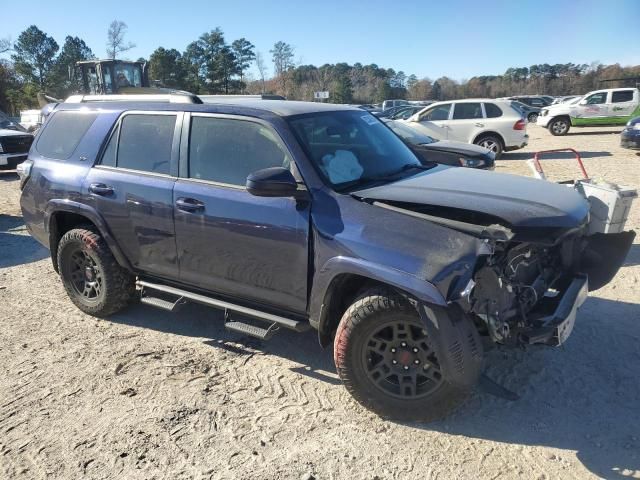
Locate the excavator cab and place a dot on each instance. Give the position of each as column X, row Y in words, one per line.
column 105, row 77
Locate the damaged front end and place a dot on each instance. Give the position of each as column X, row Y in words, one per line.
column 528, row 283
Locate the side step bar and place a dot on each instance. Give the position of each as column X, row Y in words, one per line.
column 294, row 325
column 163, row 304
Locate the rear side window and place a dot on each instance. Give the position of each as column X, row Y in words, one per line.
column 622, row 96
column 536, row 102
column 143, row 143
column 465, row 111
column 227, row 151
column 492, row 110
column 63, row 133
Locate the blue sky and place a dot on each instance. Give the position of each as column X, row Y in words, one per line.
column 456, row 38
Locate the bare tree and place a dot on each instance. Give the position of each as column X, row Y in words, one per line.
column 5, row 45
column 262, row 68
column 115, row 39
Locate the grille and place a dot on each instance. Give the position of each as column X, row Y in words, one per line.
column 16, row 144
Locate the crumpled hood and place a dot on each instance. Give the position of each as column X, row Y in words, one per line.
column 519, row 201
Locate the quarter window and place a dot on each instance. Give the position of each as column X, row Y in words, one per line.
column 227, row 151
column 441, row 112
column 492, row 110
column 143, row 143
column 622, row 96
column 466, row 111
column 63, row 132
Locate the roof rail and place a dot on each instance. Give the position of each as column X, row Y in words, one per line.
column 168, row 98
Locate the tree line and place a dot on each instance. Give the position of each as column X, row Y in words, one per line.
column 211, row 65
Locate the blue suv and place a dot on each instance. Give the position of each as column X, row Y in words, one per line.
column 302, row 215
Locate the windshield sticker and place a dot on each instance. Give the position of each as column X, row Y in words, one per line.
column 370, row 119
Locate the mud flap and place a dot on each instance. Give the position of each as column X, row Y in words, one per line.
column 456, row 343
column 604, row 255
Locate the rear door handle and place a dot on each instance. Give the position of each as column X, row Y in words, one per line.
column 480, row 125
column 101, row 189
column 189, row 204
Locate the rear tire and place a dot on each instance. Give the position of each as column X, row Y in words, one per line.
column 491, row 142
column 532, row 117
column 92, row 277
column 387, row 362
column 559, row 126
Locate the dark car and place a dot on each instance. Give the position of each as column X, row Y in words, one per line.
column 630, row 136
column 406, row 112
column 301, row 215
column 15, row 142
column 456, row 154
column 538, row 101
column 528, row 112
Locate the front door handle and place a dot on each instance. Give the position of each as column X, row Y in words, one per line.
column 101, row 189
column 480, row 125
column 189, row 205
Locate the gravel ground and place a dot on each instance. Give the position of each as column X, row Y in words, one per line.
column 149, row 394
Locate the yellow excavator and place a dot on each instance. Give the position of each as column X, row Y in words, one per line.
column 109, row 77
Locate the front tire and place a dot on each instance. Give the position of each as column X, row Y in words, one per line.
column 388, row 363
column 92, row 277
column 559, row 126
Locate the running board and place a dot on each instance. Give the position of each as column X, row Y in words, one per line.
column 162, row 304
column 294, row 325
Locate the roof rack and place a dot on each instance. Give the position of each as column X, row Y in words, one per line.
column 167, row 98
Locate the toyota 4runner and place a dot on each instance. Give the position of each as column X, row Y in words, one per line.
column 301, row 215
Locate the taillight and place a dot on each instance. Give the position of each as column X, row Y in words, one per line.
column 24, row 172
column 520, row 125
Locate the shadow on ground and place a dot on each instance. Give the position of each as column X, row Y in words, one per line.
column 633, row 257
column 553, row 156
column 17, row 247
column 8, row 176
column 581, row 397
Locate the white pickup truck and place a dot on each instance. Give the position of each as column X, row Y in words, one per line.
column 613, row 106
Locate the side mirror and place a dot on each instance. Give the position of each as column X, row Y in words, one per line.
column 272, row 182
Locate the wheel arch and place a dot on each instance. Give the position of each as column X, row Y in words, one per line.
column 341, row 279
column 489, row 133
column 60, row 216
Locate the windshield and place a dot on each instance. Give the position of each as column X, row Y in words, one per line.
column 350, row 148
column 409, row 134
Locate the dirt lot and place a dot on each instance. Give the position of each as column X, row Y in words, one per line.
column 148, row 394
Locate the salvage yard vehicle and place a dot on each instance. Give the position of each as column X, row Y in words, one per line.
column 630, row 136
column 15, row 142
column 303, row 215
column 429, row 150
column 613, row 106
column 492, row 124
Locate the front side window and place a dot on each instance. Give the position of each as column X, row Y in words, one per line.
column 622, row 96
column 441, row 112
column 466, row 111
column 351, row 148
column 597, row 98
column 227, row 150
column 143, row 142
column 536, row 102
column 63, row 132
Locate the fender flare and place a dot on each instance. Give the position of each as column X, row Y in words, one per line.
column 65, row 205
column 414, row 286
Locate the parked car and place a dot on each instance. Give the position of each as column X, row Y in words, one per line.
column 534, row 100
column 528, row 112
column 630, row 136
column 492, row 124
column 389, row 112
column 15, row 142
column 406, row 112
column 430, row 150
column 613, row 106
column 564, row 99
column 393, row 103
column 303, row 215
